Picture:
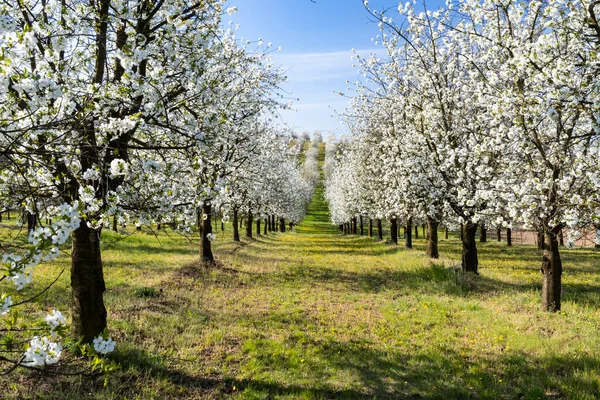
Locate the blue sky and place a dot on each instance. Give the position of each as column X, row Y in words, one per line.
column 316, row 40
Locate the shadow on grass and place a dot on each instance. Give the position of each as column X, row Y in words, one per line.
column 369, row 373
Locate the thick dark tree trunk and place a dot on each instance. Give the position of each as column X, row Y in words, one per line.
column 408, row 233
column 394, row 230
column 258, row 226
column 540, row 239
column 249, row 224
column 281, row 225
column 354, row 226
column 236, row 225
column 341, row 226
column 446, row 232
column 596, row 244
column 432, row 238
column 291, row 226
column 370, row 227
column 551, row 271
column 499, row 234
column 265, row 227
column 379, row 229
column 31, row 221
column 206, row 254
column 87, row 284
column 423, row 228
column 483, row 233
column 222, row 226
column 273, row 223
column 416, row 231
column 508, row 237
column 114, row 225
column 469, row 252
column 362, row 227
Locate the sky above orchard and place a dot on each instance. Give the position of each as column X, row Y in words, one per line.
column 317, row 39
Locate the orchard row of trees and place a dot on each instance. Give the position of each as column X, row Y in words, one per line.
column 482, row 112
column 128, row 112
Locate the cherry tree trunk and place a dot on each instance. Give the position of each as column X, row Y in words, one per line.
column 432, row 238
column 87, row 284
column 508, row 237
column 469, row 252
column 446, row 232
column 114, row 224
column 394, row 230
column 551, row 271
column 266, row 225
column 370, row 227
column 423, row 227
column 379, row 229
column 354, row 230
column 408, row 233
column 540, row 239
column 483, row 233
column 362, row 227
column 249, row 224
column 281, row 225
column 561, row 238
column 416, row 231
column 31, row 221
column 274, row 228
column 206, row 254
column 236, row 225
column 258, row 226
column 499, row 234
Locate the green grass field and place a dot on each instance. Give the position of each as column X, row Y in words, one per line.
column 311, row 314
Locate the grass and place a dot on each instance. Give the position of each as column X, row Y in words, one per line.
column 312, row 314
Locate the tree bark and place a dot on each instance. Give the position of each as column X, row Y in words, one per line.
column 362, row 227
column 206, row 254
column 408, row 233
column 87, row 284
column 499, row 234
column 424, row 230
column 508, row 237
column 551, row 271
column 281, row 225
column 258, row 226
column 379, row 229
column 469, row 252
column 236, row 225
column 483, row 233
column 114, row 224
column 561, row 238
column 416, row 231
column 265, row 227
column 540, row 239
column 370, row 227
column 249, row 224
column 446, row 232
column 354, row 226
column 394, row 230
column 432, row 238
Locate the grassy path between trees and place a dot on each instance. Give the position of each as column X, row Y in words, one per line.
column 311, row 314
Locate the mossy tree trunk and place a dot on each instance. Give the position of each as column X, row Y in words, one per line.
column 551, row 271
